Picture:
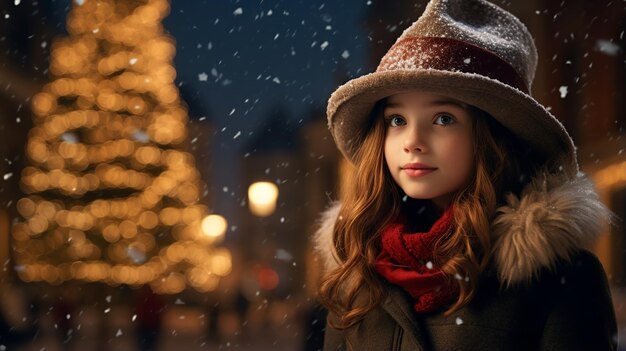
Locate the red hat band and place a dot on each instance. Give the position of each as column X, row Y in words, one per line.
column 453, row 55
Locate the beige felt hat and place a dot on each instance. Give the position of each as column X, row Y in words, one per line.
column 469, row 50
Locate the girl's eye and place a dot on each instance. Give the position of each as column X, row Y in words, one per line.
column 444, row 120
column 396, row 121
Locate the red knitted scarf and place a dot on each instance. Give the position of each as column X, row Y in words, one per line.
column 406, row 260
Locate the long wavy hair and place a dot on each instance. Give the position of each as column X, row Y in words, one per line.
column 503, row 163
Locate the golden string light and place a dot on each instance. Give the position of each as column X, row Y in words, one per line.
column 111, row 196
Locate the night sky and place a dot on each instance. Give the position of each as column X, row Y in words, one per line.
column 241, row 61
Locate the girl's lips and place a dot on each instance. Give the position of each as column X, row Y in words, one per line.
column 417, row 172
column 417, row 165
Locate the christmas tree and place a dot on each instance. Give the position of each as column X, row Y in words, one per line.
column 111, row 195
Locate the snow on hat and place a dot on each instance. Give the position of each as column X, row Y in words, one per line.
column 469, row 50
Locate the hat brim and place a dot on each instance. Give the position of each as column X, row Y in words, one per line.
column 350, row 107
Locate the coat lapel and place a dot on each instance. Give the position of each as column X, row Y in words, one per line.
column 399, row 308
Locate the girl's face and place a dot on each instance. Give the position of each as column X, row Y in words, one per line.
column 429, row 145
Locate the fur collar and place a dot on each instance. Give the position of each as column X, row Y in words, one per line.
column 553, row 218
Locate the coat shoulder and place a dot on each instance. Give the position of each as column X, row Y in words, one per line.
column 581, row 270
column 575, row 302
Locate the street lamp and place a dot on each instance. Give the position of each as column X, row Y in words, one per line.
column 262, row 198
column 214, row 226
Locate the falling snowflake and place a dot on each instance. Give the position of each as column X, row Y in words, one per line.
column 276, row 80
column 238, row 11
column 563, row 91
column 7, row 176
column 133, row 60
column 203, row 77
column 324, row 45
column 459, row 321
column 607, row 47
column 429, row 265
column 69, row 137
column 136, row 255
column 17, row 2
column 345, row 54
column 119, row 333
column 141, row 136
column 80, row 2
column 283, row 255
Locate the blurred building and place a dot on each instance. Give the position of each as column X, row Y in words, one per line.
column 281, row 153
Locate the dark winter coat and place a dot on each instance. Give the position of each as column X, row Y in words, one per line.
column 544, row 291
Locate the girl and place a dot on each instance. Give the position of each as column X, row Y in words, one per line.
column 465, row 221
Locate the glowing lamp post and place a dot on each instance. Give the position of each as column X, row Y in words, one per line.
column 214, row 226
column 262, row 198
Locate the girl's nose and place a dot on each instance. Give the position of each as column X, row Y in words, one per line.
column 414, row 141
